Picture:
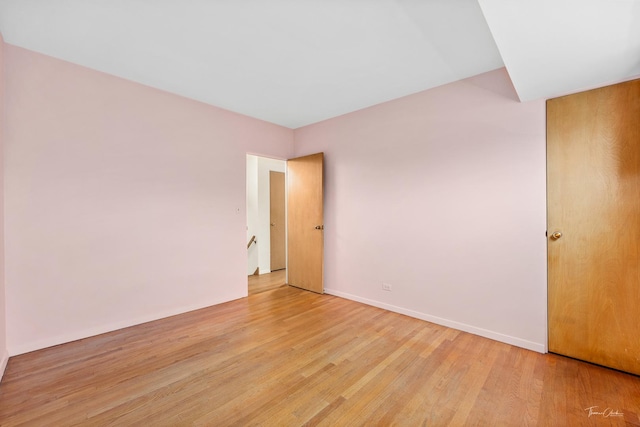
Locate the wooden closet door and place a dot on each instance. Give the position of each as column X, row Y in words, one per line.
column 278, row 226
column 593, row 167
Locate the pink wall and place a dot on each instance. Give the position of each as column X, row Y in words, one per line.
column 442, row 195
column 4, row 355
column 123, row 203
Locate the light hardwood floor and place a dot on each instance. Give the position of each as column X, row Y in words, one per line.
column 288, row 357
column 266, row 282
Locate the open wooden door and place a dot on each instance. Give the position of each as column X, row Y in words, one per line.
column 593, row 167
column 305, row 222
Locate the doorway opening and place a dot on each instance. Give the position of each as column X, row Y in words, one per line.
column 266, row 223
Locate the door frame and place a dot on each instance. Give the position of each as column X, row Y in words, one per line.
column 259, row 224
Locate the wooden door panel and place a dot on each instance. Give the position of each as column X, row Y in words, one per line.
column 277, row 220
column 593, row 167
column 305, row 222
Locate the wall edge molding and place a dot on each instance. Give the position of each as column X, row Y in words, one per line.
column 112, row 327
column 3, row 364
column 485, row 333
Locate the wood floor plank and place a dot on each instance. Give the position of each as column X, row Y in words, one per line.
column 286, row 357
column 266, row 282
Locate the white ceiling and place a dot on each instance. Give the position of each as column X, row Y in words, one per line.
column 296, row 62
column 556, row 47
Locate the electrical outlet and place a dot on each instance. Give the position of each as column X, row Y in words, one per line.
column 386, row 287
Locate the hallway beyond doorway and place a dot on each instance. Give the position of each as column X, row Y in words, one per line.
column 267, row 282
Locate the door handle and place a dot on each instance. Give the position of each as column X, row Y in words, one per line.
column 319, row 227
column 556, row 235
column 273, row 224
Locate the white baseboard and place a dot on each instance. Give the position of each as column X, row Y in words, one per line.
column 90, row 332
column 496, row 336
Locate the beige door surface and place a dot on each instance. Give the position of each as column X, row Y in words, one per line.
column 593, row 173
column 277, row 220
column 305, row 222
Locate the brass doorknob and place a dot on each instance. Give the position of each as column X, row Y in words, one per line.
column 273, row 224
column 556, row 235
